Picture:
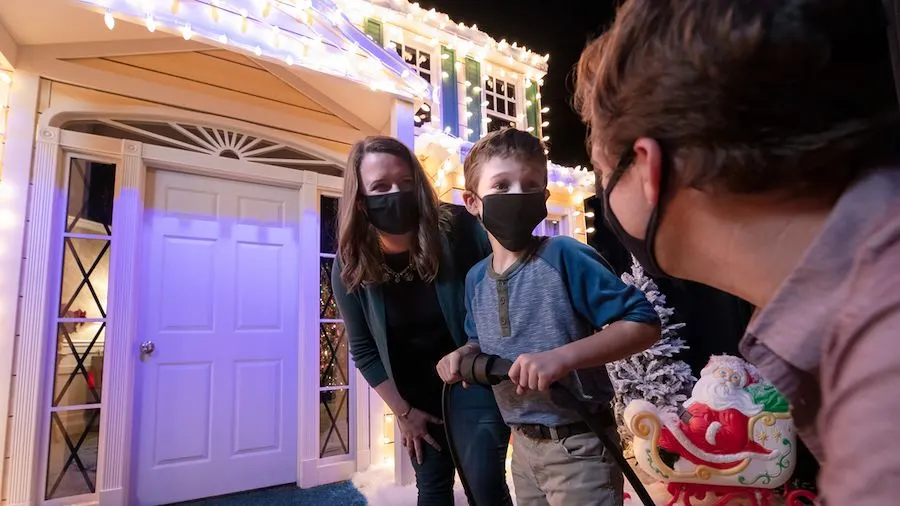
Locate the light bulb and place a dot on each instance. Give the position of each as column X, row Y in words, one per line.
column 109, row 20
column 150, row 24
column 590, row 230
column 186, row 32
column 5, row 77
column 545, row 110
column 589, row 214
column 545, row 124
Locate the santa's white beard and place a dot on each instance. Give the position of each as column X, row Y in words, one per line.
column 720, row 394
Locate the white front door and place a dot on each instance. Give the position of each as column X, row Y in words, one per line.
column 217, row 410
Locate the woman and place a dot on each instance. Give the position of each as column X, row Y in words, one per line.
column 753, row 147
column 399, row 282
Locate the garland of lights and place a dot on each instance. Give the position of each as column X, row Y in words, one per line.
column 311, row 33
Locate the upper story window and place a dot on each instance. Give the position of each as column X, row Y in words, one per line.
column 420, row 61
column 501, row 103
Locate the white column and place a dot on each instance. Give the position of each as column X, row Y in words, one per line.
column 34, row 332
column 19, row 134
column 122, row 332
column 308, row 405
column 403, row 128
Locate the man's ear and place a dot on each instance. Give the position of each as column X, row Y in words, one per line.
column 546, row 194
column 471, row 202
column 648, row 167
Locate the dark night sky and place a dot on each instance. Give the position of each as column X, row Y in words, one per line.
column 559, row 27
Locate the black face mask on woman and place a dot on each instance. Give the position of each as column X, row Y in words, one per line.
column 393, row 213
column 642, row 249
column 512, row 217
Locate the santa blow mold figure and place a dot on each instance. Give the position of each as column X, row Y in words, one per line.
column 734, row 441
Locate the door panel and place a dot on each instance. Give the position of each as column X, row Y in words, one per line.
column 218, row 393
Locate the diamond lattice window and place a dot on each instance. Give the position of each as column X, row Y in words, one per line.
column 74, row 436
column 334, row 354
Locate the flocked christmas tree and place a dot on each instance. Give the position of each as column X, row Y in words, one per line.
column 655, row 375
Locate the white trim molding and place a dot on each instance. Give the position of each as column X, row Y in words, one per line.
column 122, row 334
column 27, row 410
column 16, row 175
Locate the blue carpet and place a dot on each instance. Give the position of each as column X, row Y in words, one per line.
column 336, row 494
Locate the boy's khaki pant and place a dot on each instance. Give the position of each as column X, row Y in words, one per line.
column 575, row 471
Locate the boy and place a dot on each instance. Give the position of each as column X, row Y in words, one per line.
column 537, row 301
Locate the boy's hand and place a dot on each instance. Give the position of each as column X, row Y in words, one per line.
column 537, row 371
column 448, row 367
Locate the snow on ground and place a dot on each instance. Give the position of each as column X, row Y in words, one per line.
column 377, row 485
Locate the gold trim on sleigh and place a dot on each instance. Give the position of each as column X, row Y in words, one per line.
column 653, row 428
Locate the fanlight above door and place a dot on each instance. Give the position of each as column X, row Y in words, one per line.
column 209, row 140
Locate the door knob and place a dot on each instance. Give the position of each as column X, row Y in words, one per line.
column 147, row 348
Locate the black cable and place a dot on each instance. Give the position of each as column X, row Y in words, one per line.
column 612, row 447
column 445, row 406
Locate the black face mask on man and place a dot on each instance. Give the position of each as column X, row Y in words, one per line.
column 512, row 217
column 393, row 213
column 642, row 249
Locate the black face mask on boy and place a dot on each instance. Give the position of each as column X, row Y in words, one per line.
column 393, row 213
column 512, row 217
column 642, row 249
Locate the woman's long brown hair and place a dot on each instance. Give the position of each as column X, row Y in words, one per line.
column 358, row 244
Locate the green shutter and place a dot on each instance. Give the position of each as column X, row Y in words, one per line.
column 533, row 110
column 374, row 30
column 473, row 76
column 449, row 91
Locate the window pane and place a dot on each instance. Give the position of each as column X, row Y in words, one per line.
column 511, row 109
column 72, row 463
column 90, row 200
column 397, row 47
column 334, row 355
column 328, row 207
column 79, row 363
column 495, row 124
column 489, row 84
column 511, row 91
column 334, row 423
column 409, row 55
column 328, row 309
column 501, row 106
column 424, row 61
column 85, row 278
column 491, row 106
column 426, row 76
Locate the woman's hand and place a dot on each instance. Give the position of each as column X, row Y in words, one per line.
column 414, row 430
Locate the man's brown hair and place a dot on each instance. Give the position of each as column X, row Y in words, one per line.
column 747, row 96
column 358, row 243
column 506, row 143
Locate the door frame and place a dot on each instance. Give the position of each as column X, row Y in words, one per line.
column 116, row 473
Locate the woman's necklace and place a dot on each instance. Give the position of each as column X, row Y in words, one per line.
column 392, row 276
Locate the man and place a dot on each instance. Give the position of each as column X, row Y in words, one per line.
column 753, row 147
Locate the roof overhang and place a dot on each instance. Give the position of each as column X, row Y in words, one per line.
column 313, row 34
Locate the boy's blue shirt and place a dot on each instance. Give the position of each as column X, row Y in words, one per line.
column 560, row 293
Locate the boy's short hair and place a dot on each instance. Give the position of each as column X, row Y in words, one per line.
column 506, row 143
column 791, row 96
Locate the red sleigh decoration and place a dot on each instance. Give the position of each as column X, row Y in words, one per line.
column 736, row 446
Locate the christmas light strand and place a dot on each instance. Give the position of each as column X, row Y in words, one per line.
column 311, row 33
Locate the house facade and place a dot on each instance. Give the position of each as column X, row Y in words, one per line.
column 169, row 179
